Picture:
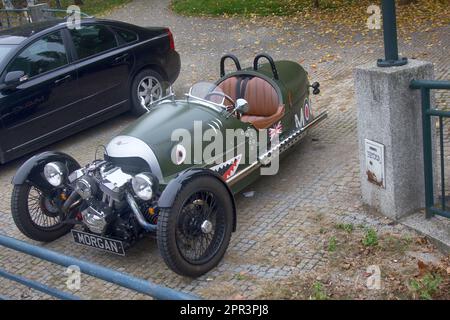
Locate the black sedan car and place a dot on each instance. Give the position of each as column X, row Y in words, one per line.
column 56, row 81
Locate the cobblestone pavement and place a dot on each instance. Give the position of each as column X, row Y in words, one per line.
column 278, row 229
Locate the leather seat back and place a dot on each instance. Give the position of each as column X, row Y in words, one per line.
column 261, row 96
column 228, row 86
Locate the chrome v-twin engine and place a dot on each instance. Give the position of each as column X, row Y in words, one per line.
column 102, row 186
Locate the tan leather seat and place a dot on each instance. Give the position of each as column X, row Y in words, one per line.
column 263, row 101
column 228, row 86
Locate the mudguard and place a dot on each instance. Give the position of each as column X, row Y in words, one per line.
column 32, row 170
column 173, row 188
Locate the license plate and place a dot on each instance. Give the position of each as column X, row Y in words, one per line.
column 97, row 242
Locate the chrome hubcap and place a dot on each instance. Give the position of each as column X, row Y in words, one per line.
column 207, row 227
column 149, row 89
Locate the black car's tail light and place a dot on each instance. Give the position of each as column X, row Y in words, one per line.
column 171, row 40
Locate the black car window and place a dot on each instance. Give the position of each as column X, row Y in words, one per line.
column 92, row 40
column 5, row 50
column 127, row 35
column 46, row 54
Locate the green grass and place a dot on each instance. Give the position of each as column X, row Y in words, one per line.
column 332, row 243
column 210, row 7
column 247, row 7
column 427, row 286
column 396, row 244
column 318, row 291
column 370, row 238
column 347, row 227
column 242, row 277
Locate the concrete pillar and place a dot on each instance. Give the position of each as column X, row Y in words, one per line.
column 389, row 113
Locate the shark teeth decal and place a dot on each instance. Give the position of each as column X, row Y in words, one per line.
column 228, row 169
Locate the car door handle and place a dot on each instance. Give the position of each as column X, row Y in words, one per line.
column 63, row 79
column 121, row 58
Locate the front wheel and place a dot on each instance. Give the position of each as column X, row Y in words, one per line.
column 36, row 215
column 194, row 233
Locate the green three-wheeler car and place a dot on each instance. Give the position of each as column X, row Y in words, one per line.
column 175, row 171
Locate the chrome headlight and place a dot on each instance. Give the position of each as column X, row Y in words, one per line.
column 55, row 173
column 144, row 185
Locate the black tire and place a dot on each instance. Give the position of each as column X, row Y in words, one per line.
column 136, row 107
column 24, row 221
column 170, row 223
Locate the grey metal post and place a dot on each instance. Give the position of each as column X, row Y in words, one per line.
column 390, row 36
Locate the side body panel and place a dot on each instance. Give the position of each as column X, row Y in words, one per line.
column 179, row 125
column 36, row 109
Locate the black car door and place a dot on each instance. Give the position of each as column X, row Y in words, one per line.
column 35, row 109
column 103, row 69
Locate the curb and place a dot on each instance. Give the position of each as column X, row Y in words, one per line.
column 436, row 229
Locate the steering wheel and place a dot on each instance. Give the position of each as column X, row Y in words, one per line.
column 223, row 95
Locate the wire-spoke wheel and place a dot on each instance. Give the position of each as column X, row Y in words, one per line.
column 194, row 234
column 36, row 215
column 201, row 228
column 43, row 211
column 149, row 86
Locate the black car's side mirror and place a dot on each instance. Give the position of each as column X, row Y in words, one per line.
column 14, row 78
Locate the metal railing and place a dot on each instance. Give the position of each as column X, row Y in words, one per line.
column 425, row 87
column 16, row 17
column 56, row 11
column 13, row 17
column 121, row 279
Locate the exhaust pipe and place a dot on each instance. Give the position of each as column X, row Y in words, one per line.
column 137, row 213
column 71, row 202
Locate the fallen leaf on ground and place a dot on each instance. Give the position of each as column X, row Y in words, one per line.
column 423, row 267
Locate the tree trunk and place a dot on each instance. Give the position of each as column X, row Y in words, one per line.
column 316, row 4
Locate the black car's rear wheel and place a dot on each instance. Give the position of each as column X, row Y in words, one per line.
column 194, row 234
column 148, row 85
column 36, row 215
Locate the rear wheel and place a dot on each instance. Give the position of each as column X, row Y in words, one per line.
column 148, row 85
column 194, row 233
column 36, row 215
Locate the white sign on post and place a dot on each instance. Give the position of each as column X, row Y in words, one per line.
column 375, row 163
